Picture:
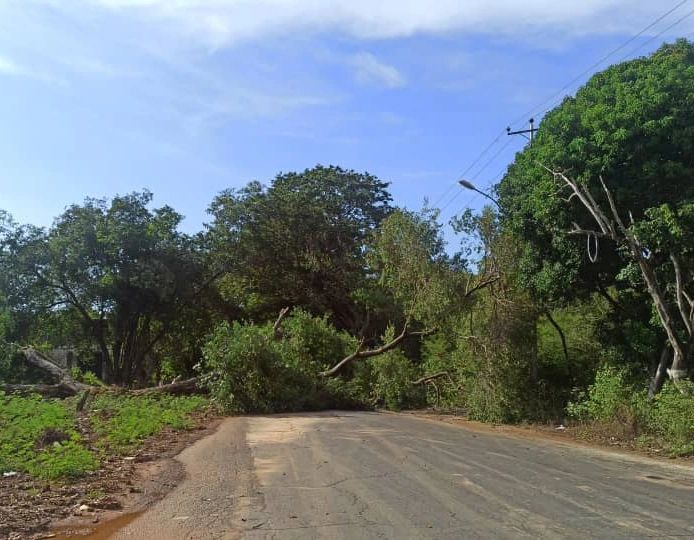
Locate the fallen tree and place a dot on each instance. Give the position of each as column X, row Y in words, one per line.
column 63, row 385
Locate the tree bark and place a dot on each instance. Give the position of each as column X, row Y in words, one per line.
column 60, row 390
column 65, row 386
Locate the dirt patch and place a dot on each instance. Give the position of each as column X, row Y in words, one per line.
column 34, row 509
column 573, row 435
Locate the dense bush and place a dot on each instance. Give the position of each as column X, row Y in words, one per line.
column 671, row 418
column 248, row 369
column 609, row 398
column 615, row 402
column 251, row 370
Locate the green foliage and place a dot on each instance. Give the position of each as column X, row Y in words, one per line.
column 407, row 254
column 393, row 374
column 607, row 399
column 246, row 368
column 252, row 371
column 298, row 241
column 40, row 437
column 86, row 377
column 671, row 418
column 123, row 422
column 249, row 370
column 633, row 125
column 614, row 400
column 116, row 270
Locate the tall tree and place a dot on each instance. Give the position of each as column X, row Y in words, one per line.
column 123, row 269
column 632, row 124
column 299, row 241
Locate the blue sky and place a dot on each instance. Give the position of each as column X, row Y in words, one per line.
column 187, row 98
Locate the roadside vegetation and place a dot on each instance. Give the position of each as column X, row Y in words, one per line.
column 570, row 299
column 49, row 440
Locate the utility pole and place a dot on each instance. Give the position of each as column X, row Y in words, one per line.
column 524, row 132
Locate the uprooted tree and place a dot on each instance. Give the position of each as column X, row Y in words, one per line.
column 61, row 384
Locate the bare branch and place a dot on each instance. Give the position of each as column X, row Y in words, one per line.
column 277, row 327
column 480, row 285
column 429, row 378
column 360, row 353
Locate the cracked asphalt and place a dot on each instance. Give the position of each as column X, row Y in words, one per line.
column 372, row 475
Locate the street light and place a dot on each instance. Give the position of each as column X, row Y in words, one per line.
column 471, row 186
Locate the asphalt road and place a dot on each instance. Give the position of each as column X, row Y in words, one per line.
column 369, row 475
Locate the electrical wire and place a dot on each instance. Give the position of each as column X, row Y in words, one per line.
column 653, row 38
column 493, row 158
column 634, row 51
column 553, row 98
column 539, row 107
column 475, row 162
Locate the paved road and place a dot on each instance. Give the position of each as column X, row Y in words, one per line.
column 369, row 475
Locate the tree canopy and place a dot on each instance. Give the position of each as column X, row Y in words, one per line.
column 299, row 241
column 632, row 124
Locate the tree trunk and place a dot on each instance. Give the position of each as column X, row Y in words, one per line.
column 660, row 373
column 562, row 337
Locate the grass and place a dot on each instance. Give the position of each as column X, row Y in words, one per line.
column 122, row 423
column 40, row 436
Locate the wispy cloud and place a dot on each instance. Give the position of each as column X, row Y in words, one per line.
column 370, row 70
column 11, row 68
column 220, row 23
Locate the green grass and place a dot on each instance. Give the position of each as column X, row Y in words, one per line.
column 40, row 436
column 122, row 423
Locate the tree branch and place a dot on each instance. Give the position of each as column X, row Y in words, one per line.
column 429, row 378
column 277, row 327
column 680, row 294
column 360, row 353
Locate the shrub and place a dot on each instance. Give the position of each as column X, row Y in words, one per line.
column 609, row 398
column 393, row 374
column 671, row 418
column 248, row 370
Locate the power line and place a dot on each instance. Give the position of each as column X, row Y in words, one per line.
column 553, row 98
column 475, row 162
column 539, row 107
column 678, row 21
column 491, row 160
column 634, row 51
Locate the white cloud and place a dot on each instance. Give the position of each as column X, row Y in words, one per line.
column 220, row 23
column 9, row 67
column 370, row 70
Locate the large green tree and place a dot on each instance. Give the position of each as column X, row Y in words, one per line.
column 298, row 242
column 632, row 126
column 123, row 270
